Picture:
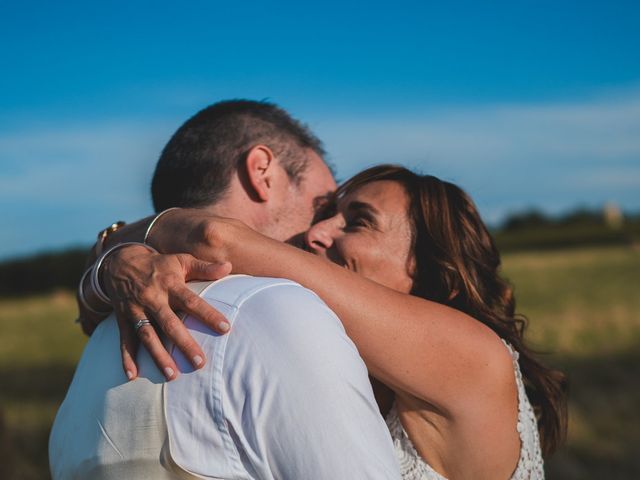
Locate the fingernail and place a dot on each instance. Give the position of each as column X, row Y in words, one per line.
column 197, row 361
column 129, row 374
column 224, row 326
column 168, row 372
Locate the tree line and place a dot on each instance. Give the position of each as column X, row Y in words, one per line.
column 529, row 230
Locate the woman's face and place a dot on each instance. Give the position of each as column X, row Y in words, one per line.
column 370, row 234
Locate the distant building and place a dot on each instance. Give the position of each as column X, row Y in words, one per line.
column 612, row 215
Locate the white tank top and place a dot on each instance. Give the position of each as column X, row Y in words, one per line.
column 530, row 465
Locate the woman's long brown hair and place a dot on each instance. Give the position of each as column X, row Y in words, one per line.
column 457, row 264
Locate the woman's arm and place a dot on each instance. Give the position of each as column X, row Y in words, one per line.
column 426, row 349
column 91, row 310
column 429, row 350
column 176, row 271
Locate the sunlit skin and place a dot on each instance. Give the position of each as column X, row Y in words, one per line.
column 262, row 195
column 358, row 233
column 299, row 202
column 451, row 376
column 370, row 233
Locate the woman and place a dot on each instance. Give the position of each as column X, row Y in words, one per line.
column 414, row 278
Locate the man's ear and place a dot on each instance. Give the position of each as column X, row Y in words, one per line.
column 260, row 169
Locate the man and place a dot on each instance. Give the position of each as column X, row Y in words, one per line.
column 283, row 395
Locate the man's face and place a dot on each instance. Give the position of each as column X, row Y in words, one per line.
column 298, row 205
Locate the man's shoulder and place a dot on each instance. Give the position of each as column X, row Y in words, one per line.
column 278, row 314
column 277, row 390
column 234, row 290
column 277, row 306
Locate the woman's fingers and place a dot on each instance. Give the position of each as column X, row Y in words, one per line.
column 131, row 334
column 128, row 348
column 195, row 269
column 149, row 338
column 128, row 340
column 186, row 301
column 143, row 285
column 175, row 331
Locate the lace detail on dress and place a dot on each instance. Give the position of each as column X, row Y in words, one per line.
column 530, row 465
column 412, row 466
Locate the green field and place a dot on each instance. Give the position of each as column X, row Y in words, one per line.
column 583, row 306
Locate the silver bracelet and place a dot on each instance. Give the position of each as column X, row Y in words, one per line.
column 95, row 274
column 82, row 298
column 153, row 222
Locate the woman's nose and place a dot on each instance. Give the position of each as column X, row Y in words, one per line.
column 319, row 238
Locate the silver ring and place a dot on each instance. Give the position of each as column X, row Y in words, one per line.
column 141, row 323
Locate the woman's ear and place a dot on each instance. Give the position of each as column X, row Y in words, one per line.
column 260, row 169
column 412, row 268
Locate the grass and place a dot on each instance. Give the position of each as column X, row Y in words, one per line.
column 39, row 347
column 583, row 306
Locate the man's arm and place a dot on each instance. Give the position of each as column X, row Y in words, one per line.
column 297, row 392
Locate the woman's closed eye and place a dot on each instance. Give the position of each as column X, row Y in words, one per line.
column 357, row 222
column 360, row 215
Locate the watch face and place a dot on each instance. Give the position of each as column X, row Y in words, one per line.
column 110, row 229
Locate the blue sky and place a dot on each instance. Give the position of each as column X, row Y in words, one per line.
column 523, row 103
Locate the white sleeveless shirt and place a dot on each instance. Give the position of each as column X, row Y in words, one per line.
column 530, row 465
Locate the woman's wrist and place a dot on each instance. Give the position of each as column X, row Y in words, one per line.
column 87, row 297
column 174, row 230
column 249, row 251
column 131, row 232
column 216, row 237
column 154, row 225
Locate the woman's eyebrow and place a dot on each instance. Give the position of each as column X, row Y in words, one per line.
column 358, row 205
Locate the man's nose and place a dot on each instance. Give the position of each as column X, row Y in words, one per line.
column 319, row 238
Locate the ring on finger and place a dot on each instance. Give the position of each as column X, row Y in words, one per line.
column 141, row 323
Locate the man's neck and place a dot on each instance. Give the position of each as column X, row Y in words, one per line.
column 237, row 208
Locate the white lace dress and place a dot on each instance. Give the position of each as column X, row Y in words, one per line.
column 530, row 465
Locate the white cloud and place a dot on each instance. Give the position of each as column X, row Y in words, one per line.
column 551, row 155
column 610, row 178
column 599, row 131
column 61, row 183
column 68, row 162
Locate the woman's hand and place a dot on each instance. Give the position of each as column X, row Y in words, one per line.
column 202, row 234
column 146, row 285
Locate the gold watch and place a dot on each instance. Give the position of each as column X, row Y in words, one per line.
column 102, row 236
